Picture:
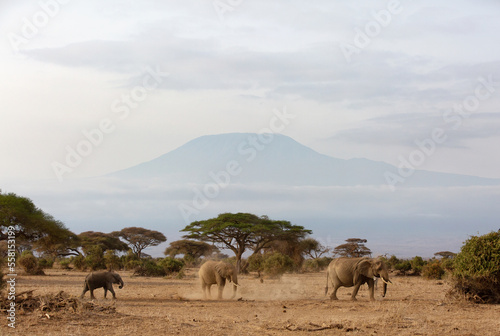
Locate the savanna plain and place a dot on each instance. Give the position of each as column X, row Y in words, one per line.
column 292, row 305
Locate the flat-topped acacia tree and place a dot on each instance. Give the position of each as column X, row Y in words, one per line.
column 240, row 232
column 139, row 238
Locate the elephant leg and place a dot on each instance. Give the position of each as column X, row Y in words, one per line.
column 110, row 288
column 333, row 296
column 371, row 289
column 85, row 289
column 105, row 291
column 220, row 290
column 209, row 295
column 92, row 297
column 355, row 291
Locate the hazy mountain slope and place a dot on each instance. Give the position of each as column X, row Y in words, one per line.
column 278, row 159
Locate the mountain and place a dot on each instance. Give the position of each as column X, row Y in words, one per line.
column 248, row 158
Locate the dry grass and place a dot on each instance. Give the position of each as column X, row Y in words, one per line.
column 294, row 305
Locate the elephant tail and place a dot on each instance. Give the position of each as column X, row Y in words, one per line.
column 326, row 287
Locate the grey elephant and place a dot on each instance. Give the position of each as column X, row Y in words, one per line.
column 102, row 279
column 348, row 272
column 213, row 272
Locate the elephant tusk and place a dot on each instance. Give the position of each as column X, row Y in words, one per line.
column 386, row 282
column 237, row 285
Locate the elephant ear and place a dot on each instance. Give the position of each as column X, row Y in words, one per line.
column 224, row 270
column 363, row 268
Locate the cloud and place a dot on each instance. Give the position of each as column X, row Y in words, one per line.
column 405, row 128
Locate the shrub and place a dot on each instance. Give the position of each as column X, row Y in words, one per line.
column 477, row 269
column 403, row 266
column 433, row 270
column 256, row 263
column 79, row 262
column 111, row 260
column 45, row 263
column 393, row 261
column 275, row 264
column 316, row 265
column 132, row 264
column 447, row 264
column 65, row 263
column 95, row 258
column 171, row 265
column 148, row 267
column 30, row 263
column 417, row 263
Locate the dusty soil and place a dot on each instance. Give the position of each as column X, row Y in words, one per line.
column 293, row 305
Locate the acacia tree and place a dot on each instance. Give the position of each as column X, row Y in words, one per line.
column 355, row 247
column 445, row 254
column 313, row 248
column 33, row 227
column 241, row 231
column 106, row 241
column 192, row 248
column 140, row 238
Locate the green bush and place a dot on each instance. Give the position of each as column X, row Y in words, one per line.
column 447, row 264
column 433, row 270
column 316, row 265
column 65, row 262
column 417, row 263
column 45, row 263
column 403, row 266
column 130, row 261
column 149, row 267
column 171, row 265
column 393, row 261
column 30, row 263
column 132, row 264
column 275, row 264
column 79, row 262
column 95, row 258
column 256, row 263
column 477, row 269
column 111, row 260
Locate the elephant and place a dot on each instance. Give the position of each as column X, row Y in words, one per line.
column 213, row 272
column 102, row 279
column 348, row 272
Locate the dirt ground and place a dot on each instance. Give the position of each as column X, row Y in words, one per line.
column 292, row 305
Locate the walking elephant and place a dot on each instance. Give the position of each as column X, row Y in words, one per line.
column 102, row 279
column 213, row 272
column 348, row 272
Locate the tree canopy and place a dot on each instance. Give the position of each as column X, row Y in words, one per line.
column 106, row 241
column 354, row 247
column 241, row 231
column 313, row 248
column 192, row 248
column 140, row 238
column 33, row 227
column 445, row 254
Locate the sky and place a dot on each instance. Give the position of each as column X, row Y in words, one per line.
column 126, row 81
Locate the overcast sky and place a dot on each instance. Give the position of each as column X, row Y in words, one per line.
column 362, row 79
column 123, row 82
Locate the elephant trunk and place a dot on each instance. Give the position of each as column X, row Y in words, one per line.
column 121, row 284
column 235, row 286
column 385, row 279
